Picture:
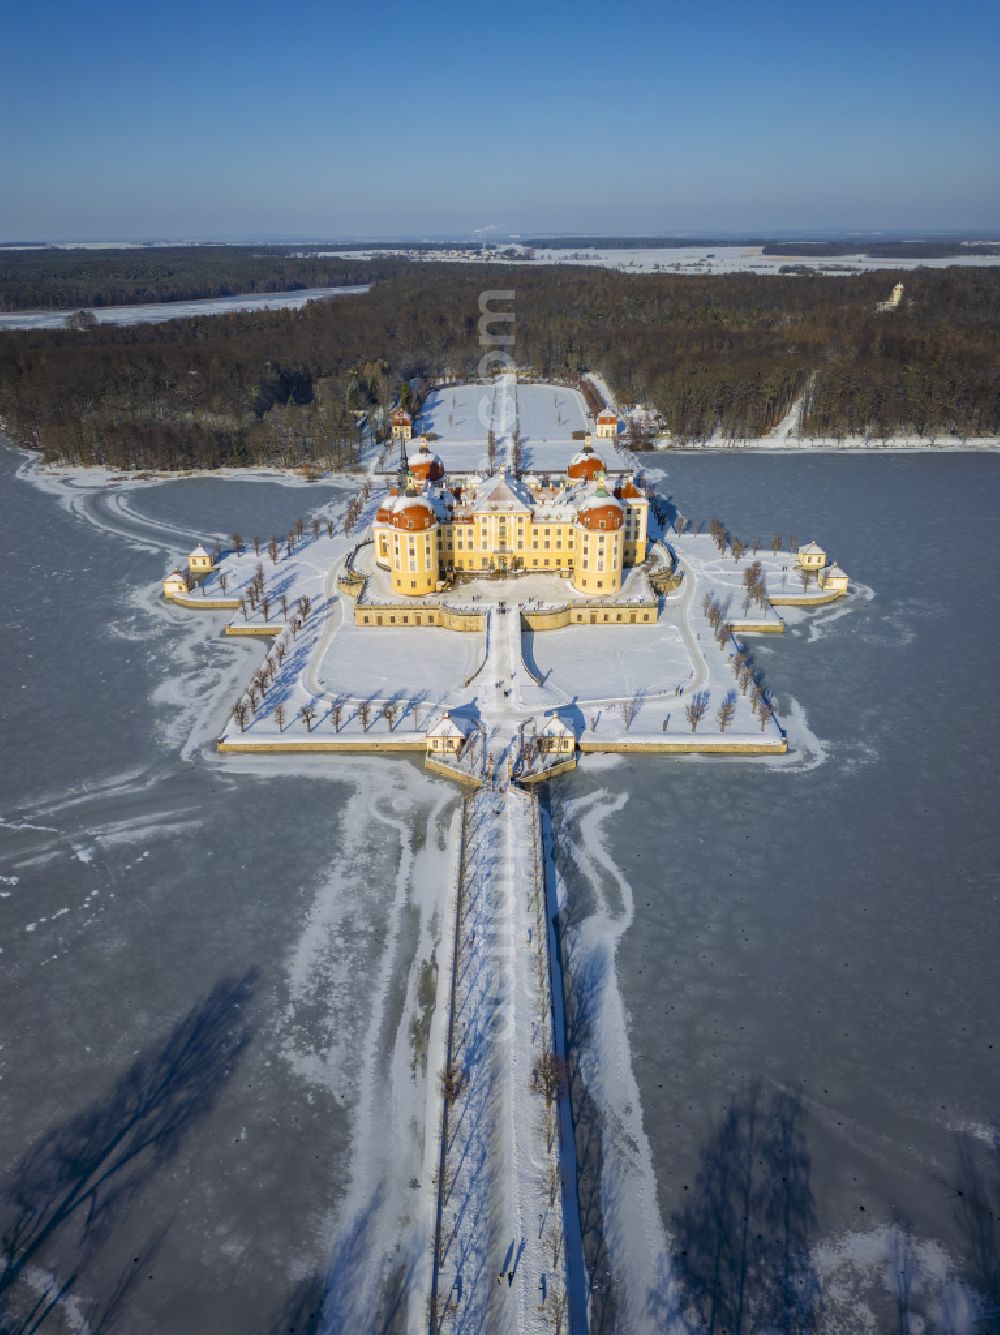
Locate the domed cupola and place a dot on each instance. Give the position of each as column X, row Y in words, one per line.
column 587, row 464
column 412, row 511
column 601, row 511
column 424, row 464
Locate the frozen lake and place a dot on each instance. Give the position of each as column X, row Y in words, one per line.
column 786, row 963
column 159, row 311
column 807, row 951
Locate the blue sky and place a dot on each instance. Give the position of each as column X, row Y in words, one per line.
column 224, row 120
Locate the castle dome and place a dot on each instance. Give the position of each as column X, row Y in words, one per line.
column 424, row 464
column 412, row 512
column 601, row 511
column 587, row 463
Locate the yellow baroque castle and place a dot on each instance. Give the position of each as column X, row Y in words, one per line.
column 570, row 525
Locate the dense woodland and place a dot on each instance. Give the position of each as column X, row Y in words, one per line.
column 884, row 250
column 712, row 353
column 68, row 279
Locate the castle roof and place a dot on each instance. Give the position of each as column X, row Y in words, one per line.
column 412, row 511
column 424, row 463
column 811, row 549
column 833, row 572
column 585, row 463
column 555, row 727
column 199, row 551
column 503, row 495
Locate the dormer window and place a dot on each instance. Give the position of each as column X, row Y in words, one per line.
column 409, row 523
column 603, row 524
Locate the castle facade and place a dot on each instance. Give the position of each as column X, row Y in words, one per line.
column 573, row 524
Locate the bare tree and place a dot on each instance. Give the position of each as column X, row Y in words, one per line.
column 696, row 708
column 223, row 580
column 315, row 525
column 300, row 527
column 284, row 606
column 265, row 607
column 737, row 546
column 243, row 607
column 256, row 545
column 806, row 577
column 240, row 714
column 279, row 716
column 280, row 650
column 237, row 541
column 336, row 714
column 776, row 544
column 389, row 712
column 364, row 714
column 631, row 707
column 272, row 550
column 329, row 528
column 305, row 606
column 727, row 711
column 308, row 716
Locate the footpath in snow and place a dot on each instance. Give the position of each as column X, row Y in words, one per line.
column 501, row 1251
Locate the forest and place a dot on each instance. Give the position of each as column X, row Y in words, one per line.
column 69, row 279
column 884, row 250
column 725, row 353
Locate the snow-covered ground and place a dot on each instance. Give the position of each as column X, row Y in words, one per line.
column 502, row 1259
column 546, row 415
column 685, row 259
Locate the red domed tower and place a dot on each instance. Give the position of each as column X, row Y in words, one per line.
column 425, row 465
column 586, row 465
column 413, row 560
column 598, row 550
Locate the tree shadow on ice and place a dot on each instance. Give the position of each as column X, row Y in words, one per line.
column 353, row 1293
column 66, row 1194
column 977, row 1210
column 741, row 1240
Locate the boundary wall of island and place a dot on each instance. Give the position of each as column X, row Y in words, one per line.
column 719, row 746
column 756, row 627
column 272, row 629
column 203, row 604
column 452, row 772
column 816, row 600
column 403, row 745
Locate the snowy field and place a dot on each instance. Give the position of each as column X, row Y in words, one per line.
column 384, row 663
column 461, row 416
column 161, row 311
column 597, row 662
column 686, row 259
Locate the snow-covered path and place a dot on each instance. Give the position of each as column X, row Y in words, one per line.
column 501, row 1265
